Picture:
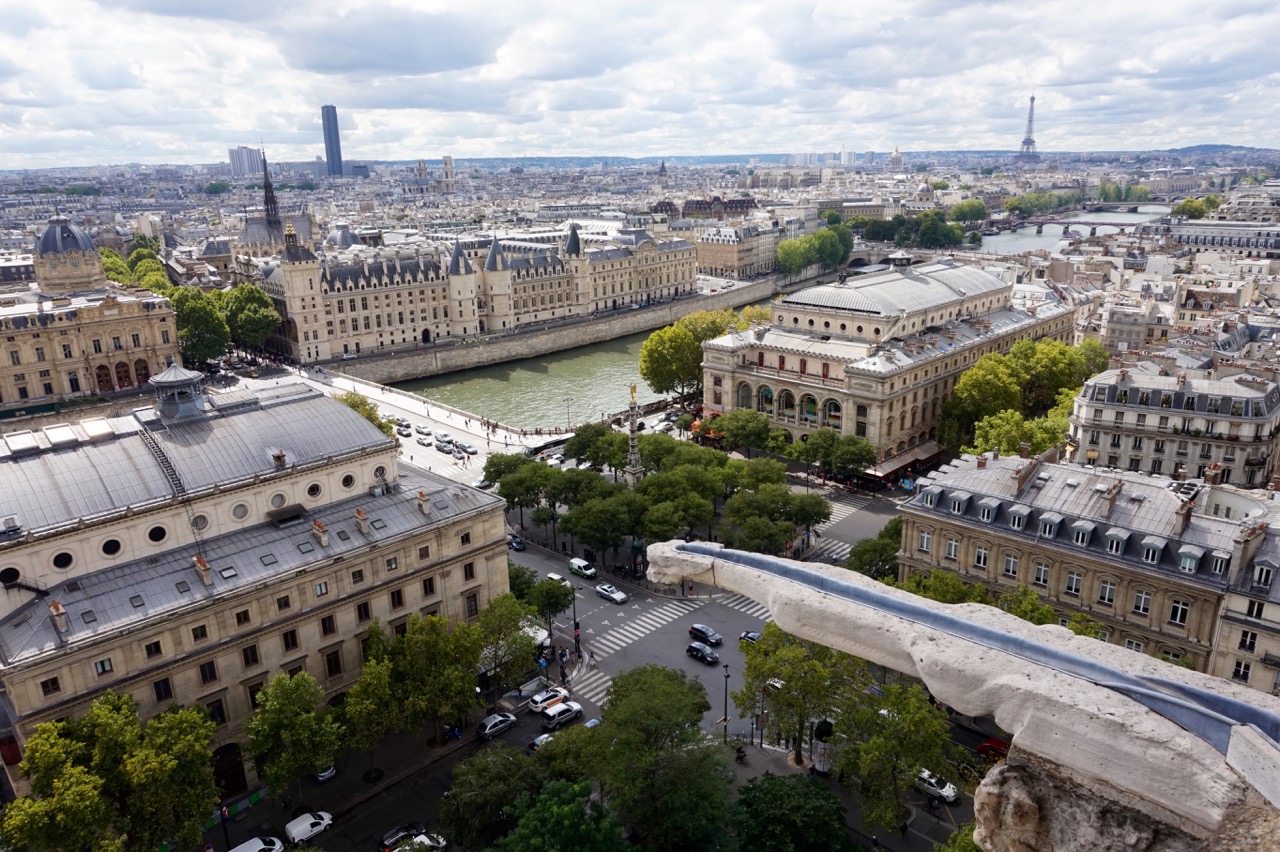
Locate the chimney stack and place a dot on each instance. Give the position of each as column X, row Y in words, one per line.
column 995, row 453
column 59, row 616
column 1024, row 450
column 423, row 503
column 279, row 458
column 321, row 533
column 1213, row 474
column 1112, row 494
column 1184, row 515
column 982, row 462
column 362, row 522
column 203, row 569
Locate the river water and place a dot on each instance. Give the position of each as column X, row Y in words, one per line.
column 582, row 384
column 1016, row 242
column 548, row 391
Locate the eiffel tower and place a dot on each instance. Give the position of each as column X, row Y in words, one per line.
column 1028, row 152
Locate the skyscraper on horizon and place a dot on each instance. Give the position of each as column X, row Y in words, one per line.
column 332, row 144
column 245, row 161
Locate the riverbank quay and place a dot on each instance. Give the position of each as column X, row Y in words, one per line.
column 389, row 367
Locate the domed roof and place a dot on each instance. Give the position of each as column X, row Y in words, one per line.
column 60, row 236
column 341, row 236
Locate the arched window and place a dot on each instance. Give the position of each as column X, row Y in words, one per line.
column 832, row 414
column 764, row 400
column 103, row 376
column 141, row 371
column 123, row 377
column 809, row 410
column 786, row 404
column 744, row 396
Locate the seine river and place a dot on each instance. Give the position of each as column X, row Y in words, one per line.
column 582, row 384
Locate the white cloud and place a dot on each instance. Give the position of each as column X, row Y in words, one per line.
column 185, row 81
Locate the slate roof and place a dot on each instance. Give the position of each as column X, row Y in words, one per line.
column 911, row 288
column 156, row 587
column 61, row 474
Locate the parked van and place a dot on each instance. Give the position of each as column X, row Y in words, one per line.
column 582, row 568
column 260, row 844
column 307, row 826
column 560, row 580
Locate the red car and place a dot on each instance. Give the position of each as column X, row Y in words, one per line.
column 993, row 749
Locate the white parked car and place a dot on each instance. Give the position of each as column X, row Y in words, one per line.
column 937, row 786
column 307, row 826
column 611, row 593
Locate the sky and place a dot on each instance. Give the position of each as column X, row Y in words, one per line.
column 180, row 81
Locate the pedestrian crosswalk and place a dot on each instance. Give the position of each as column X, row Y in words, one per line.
column 828, row 550
column 750, row 606
column 592, row 686
column 642, row 625
column 842, row 506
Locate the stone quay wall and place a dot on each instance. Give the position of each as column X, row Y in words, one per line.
column 497, row 349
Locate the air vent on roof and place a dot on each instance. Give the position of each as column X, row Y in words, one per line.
column 74, row 586
column 136, row 600
column 182, row 586
column 1137, row 498
column 344, row 535
column 21, row 620
column 268, row 559
column 155, row 560
column 227, row 573
column 11, row 523
column 1072, row 483
column 90, row 617
column 1101, row 488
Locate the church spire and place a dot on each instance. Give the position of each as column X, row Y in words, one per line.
column 274, row 230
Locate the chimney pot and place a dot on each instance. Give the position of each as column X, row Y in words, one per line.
column 203, row 569
column 279, row 458
column 362, row 522
column 59, row 615
column 321, row 533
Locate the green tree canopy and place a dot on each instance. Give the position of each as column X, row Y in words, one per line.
column 490, row 790
column 878, row 557
column 1026, row 604
column 968, row 211
column 671, row 361
column 292, row 732
column 217, row 187
column 435, row 665
column 366, row 408
column 251, row 316
column 141, row 253
column 550, row 598
column 888, row 739
column 743, row 427
column 943, row 587
column 565, row 816
column 202, row 333
column 790, row 813
column 106, row 782
column 508, row 650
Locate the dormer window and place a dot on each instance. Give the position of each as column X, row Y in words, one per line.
column 1150, row 555
column 986, row 513
column 1048, row 529
column 987, row 507
column 1115, row 546
column 1081, row 533
column 1220, row 564
column 1017, row 521
column 1262, row 573
column 957, row 505
column 1189, row 558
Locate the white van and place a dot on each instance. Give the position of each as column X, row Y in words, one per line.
column 561, row 580
column 260, row 844
column 307, row 826
column 582, row 568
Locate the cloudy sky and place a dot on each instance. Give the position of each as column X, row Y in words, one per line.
column 181, row 81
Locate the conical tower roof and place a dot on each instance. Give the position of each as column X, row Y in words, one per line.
column 497, row 261
column 458, row 263
column 573, row 245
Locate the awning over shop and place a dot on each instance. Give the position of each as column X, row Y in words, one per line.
column 889, row 467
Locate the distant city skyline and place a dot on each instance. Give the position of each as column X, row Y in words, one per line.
column 151, row 81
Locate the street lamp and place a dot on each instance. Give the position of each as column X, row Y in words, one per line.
column 726, row 703
column 577, row 640
column 567, row 423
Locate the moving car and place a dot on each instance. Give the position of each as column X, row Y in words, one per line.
column 307, row 826
column 702, row 652
column 348, row 356
column 493, row 725
column 515, row 542
column 404, row 431
column 548, row 698
column 458, row 453
column 444, row 446
column 556, row 717
column 936, row 786
column 424, row 442
column 482, row 483
column 751, row 637
column 610, row 593
column 582, row 568
column 469, row 449
column 430, row 841
column 421, row 429
column 327, row 774
column 703, row 633
column 397, row 835
column 442, row 435
column 537, row 742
